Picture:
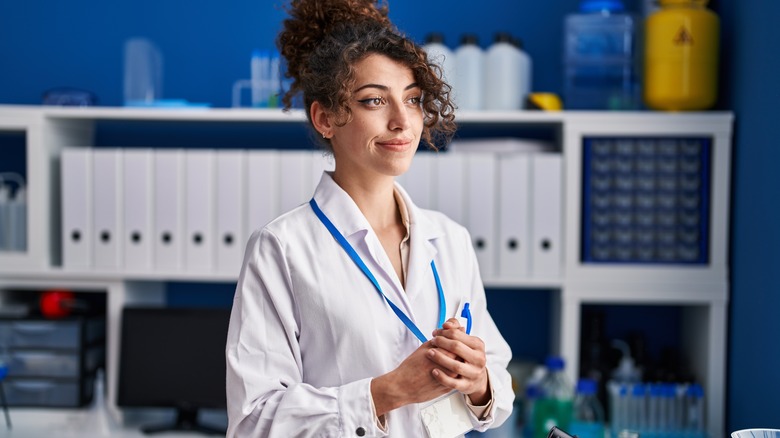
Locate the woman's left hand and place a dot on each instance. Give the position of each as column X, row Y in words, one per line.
column 469, row 364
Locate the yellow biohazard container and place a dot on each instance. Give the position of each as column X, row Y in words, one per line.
column 681, row 56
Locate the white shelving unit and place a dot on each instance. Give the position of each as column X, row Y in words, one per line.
column 701, row 290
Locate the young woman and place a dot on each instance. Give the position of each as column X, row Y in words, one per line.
column 344, row 320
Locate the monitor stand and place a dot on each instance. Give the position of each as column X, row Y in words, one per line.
column 186, row 420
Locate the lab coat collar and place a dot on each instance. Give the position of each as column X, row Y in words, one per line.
column 345, row 214
column 339, row 207
column 349, row 220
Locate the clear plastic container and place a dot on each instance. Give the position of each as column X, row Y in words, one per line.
column 599, row 58
column 143, row 72
column 694, row 412
column 588, row 417
column 555, row 406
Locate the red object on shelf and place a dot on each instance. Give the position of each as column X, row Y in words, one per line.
column 57, row 303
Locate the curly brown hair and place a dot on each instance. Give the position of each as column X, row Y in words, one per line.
column 323, row 39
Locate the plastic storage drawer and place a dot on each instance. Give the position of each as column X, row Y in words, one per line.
column 48, row 392
column 55, row 363
column 64, row 334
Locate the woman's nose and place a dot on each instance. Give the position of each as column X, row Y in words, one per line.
column 399, row 118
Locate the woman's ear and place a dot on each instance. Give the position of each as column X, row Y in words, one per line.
column 321, row 120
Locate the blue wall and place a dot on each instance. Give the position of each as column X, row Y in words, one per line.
column 752, row 70
column 206, row 47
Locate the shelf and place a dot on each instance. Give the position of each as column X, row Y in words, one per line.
column 658, row 293
column 56, row 274
column 525, row 283
column 59, row 274
column 672, row 120
column 701, row 290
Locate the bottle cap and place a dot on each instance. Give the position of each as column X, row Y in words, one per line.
column 434, row 37
column 695, row 390
column 586, row 386
column 504, row 37
column 554, row 363
column 601, row 5
column 639, row 390
column 469, row 38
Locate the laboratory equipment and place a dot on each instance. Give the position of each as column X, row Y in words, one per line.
column 13, row 212
column 469, row 64
column 440, row 54
column 588, row 416
column 681, row 56
column 646, row 200
column 507, row 75
column 555, row 406
column 143, row 66
column 599, row 57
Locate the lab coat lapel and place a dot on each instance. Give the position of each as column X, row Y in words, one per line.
column 339, row 207
column 419, row 277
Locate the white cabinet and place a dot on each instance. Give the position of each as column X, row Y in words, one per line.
column 682, row 263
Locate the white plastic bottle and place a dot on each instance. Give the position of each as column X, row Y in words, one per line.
column 467, row 84
column 507, row 75
column 441, row 55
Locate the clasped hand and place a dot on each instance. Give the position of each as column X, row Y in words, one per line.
column 452, row 360
column 462, row 361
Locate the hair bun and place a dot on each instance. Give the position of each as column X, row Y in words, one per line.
column 312, row 20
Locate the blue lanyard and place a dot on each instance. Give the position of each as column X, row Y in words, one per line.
column 359, row 262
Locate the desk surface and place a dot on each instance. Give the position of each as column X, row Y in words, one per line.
column 89, row 422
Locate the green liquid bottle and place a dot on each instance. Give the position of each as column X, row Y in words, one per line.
column 556, row 405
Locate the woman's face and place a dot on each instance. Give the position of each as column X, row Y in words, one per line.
column 387, row 121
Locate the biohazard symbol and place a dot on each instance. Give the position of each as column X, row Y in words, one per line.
column 683, row 37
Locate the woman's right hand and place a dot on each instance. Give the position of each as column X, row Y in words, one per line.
column 411, row 382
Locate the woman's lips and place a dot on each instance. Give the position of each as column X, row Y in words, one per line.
column 396, row 145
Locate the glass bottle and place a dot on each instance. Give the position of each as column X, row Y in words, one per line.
column 554, row 407
column 588, row 417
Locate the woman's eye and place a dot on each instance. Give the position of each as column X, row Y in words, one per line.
column 415, row 100
column 371, row 101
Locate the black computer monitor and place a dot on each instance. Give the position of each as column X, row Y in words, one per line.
column 174, row 357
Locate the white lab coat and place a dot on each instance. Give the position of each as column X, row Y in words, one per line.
column 308, row 331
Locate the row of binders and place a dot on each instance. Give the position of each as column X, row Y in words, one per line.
column 140, row 210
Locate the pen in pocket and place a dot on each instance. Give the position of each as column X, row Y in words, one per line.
column 466, row 313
